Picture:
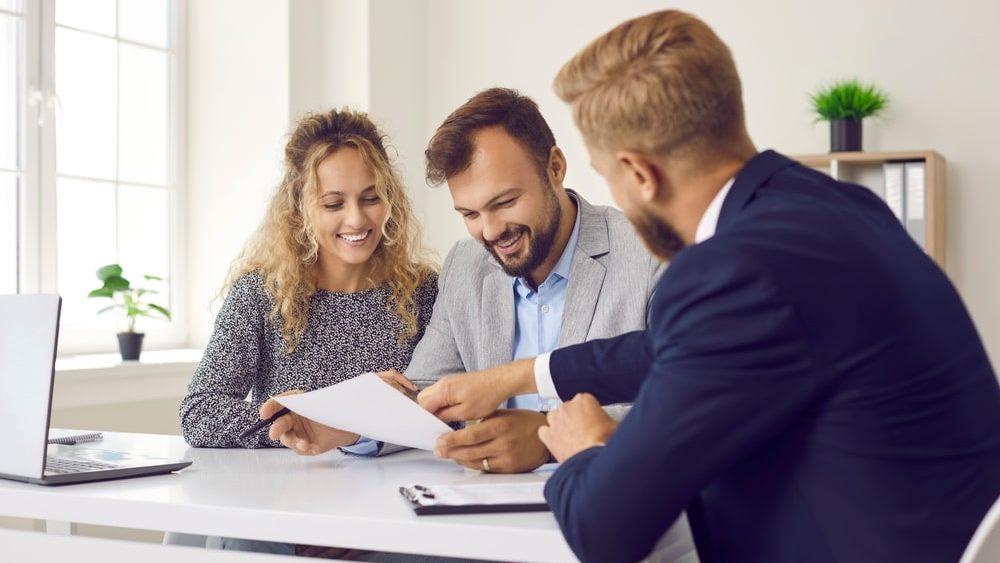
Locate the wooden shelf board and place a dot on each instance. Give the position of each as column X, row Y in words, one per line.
column 862, row 157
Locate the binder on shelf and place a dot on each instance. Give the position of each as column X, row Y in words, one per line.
column 916, row 188
column 895, row 186
column 477, row 498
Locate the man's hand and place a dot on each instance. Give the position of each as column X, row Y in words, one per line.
column 467, row 396
column 399, row 382
column 304, row 436
column 508, row 439
column 575, row 426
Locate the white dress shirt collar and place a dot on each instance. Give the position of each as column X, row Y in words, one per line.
column 708, row 222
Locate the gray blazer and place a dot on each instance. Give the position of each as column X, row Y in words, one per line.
column 610, row 285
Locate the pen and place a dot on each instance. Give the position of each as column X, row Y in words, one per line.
column 264, row 423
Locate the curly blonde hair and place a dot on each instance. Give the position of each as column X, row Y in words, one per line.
column 284, row 250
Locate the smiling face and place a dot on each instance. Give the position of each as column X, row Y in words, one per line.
column 506, row 204
column 348, row 214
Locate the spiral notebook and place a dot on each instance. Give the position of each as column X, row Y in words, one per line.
column 72, row 438
column 471, row 499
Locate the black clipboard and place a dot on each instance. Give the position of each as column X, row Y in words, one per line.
column 473, row 499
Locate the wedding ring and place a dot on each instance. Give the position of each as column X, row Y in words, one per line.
column 486, row 464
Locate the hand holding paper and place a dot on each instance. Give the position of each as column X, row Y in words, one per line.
column 465, row 396
column 298, row 433
column 369, row 406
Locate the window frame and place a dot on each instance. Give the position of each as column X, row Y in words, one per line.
column 37, row 236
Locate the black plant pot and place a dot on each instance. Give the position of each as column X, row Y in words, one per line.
column 845, row 135
column 130, row 344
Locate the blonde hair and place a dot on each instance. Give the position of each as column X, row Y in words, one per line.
column 660, row 83
column 284, row 250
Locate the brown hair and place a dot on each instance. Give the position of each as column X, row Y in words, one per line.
column 450, row 149
column 283, row 250
column 663, row 82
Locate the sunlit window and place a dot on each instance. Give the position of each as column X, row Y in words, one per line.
column 11, row 166
column 88, row 153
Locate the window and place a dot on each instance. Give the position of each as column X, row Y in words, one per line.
column 88, row 156
column 11, row 159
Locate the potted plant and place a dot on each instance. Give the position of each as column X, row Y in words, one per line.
column 844, row 104
column 132, row 301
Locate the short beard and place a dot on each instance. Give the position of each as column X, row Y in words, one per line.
column 541, row 244
column 660, row 237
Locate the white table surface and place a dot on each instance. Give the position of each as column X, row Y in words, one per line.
column 276, row 495
column 21, row 546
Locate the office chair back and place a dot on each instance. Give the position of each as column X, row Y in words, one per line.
column 984, row 547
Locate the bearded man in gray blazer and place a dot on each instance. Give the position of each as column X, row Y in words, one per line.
column 544, row 269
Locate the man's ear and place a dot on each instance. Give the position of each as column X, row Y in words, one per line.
column 557, row 166
column 642, row 173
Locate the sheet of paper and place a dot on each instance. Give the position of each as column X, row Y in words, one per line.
column 492, row 493
column 370, row 407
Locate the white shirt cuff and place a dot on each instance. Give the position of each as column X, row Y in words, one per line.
column 543, row 378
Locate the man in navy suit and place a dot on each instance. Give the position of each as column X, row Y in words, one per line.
column 815, row 385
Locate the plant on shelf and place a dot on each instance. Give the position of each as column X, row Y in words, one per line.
column 844, row 104
column 133, row 302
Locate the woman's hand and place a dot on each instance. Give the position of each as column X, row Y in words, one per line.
column 302, row 435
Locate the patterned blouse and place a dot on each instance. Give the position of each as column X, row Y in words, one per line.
column 347, row 334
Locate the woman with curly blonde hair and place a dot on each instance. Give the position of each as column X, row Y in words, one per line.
column 330, row 286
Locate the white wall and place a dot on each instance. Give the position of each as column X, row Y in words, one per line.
column 399, row 84
column 937, row 60
column 238, row 115
column 410, row 63
column 329, row 58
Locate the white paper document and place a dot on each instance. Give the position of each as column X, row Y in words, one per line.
column 370, row 407
column 492, row 493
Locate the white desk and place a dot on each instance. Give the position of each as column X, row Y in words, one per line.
column 276, row 495
column 34, row 546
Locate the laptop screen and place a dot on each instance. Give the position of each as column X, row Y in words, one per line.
column 29, row 328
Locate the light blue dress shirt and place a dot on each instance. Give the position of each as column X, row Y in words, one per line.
column 539, row 315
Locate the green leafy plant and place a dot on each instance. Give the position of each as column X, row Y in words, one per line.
column 132, row 301
column 848, row 99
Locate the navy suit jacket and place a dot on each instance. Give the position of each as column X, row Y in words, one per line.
column 810, row 388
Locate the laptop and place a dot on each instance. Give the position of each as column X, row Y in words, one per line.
column 29, row 331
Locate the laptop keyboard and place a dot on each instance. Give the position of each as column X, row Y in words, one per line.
column 68, row 465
